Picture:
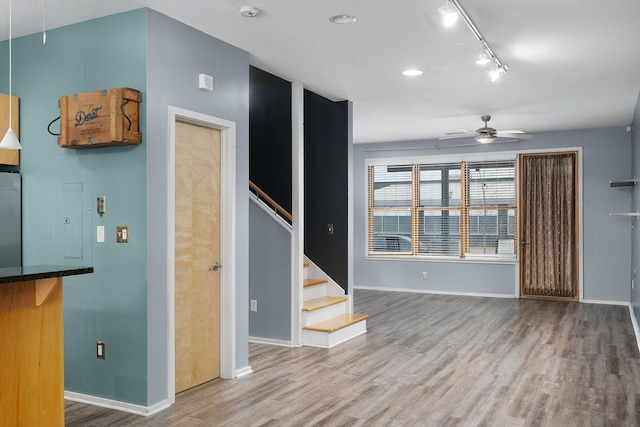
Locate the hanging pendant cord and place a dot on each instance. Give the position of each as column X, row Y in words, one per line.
column 10, row 74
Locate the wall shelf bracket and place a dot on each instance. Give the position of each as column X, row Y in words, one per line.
column 623, row 182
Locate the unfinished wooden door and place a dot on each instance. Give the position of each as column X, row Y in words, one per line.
column 197, row 250
column 549, row 225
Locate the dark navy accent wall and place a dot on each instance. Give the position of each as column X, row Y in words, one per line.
column 270, row 135
column 326, row 184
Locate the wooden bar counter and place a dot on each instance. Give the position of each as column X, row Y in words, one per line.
column 32, row 344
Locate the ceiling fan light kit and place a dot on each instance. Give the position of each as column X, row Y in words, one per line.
column 485, row 138
column 486, row 53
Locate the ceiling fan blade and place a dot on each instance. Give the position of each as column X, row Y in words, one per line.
column 458, row 135
column 504, row 134
column 511, row 131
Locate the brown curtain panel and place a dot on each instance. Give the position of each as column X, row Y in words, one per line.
column 548, row 230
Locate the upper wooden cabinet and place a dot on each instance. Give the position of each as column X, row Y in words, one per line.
column 9, row 157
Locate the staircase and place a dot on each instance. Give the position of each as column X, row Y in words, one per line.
column 326, row 311
column 327, row 318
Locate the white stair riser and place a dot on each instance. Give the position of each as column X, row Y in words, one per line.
column 313, row 292
column 331, row 339
column 324, row 313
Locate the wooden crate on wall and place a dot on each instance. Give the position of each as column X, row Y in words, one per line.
column 9, row 157
column 104, row 118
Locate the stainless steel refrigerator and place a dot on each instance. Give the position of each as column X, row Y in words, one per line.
column 10, row 220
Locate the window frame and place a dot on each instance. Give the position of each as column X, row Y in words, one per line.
column 500, row 159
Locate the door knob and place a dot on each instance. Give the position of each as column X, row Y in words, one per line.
column 215, row 266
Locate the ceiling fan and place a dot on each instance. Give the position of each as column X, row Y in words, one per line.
column 486, row 134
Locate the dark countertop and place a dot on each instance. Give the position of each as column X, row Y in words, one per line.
column 36, row 272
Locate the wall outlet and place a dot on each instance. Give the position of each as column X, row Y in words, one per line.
column 424, row 275
column 100, row 351
column 254, row 305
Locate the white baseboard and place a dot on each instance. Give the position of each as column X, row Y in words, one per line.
column 596, row 301
column 426, row 291
column 634, row 322
column 244, row 372
column 269, row 341
column 117, row 405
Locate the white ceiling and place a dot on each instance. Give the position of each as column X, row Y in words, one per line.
column 573, row 64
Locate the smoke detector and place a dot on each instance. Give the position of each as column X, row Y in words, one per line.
column 249, row 11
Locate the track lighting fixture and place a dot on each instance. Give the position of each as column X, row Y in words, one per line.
column 449, row 14
column 486, row 53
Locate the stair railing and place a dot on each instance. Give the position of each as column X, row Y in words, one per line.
column 277, row 209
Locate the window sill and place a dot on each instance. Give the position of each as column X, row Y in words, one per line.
column 439, row 259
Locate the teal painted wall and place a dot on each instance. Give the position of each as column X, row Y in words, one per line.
column 110, row 304
column 124, row 302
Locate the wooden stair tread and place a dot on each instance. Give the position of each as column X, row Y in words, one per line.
column 312, row 282
column 317, row 303
column 337, row 322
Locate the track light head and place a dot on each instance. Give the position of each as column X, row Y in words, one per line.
column 483, row 57
column 498, row 71
column 449, row 14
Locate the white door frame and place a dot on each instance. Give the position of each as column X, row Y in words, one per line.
column 227, row 240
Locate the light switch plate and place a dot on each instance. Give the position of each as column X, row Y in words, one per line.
column 101, row 350
column 100, row 234
column 122, row 234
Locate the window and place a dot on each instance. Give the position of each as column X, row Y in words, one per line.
column 458, row 209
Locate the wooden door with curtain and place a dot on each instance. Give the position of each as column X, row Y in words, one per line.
column 549, row 225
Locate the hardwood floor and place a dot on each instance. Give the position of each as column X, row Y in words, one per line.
column 430, row 360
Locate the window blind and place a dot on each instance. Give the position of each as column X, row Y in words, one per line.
column 453, row 209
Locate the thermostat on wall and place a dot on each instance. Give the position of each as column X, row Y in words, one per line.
column 205, row 82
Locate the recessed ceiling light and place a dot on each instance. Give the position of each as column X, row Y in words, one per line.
column 412, row 73
column 343, row 19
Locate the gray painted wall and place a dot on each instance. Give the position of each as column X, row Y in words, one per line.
column 635, row 233
column 176, row 54
column 269, row 276
column 606, row 245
